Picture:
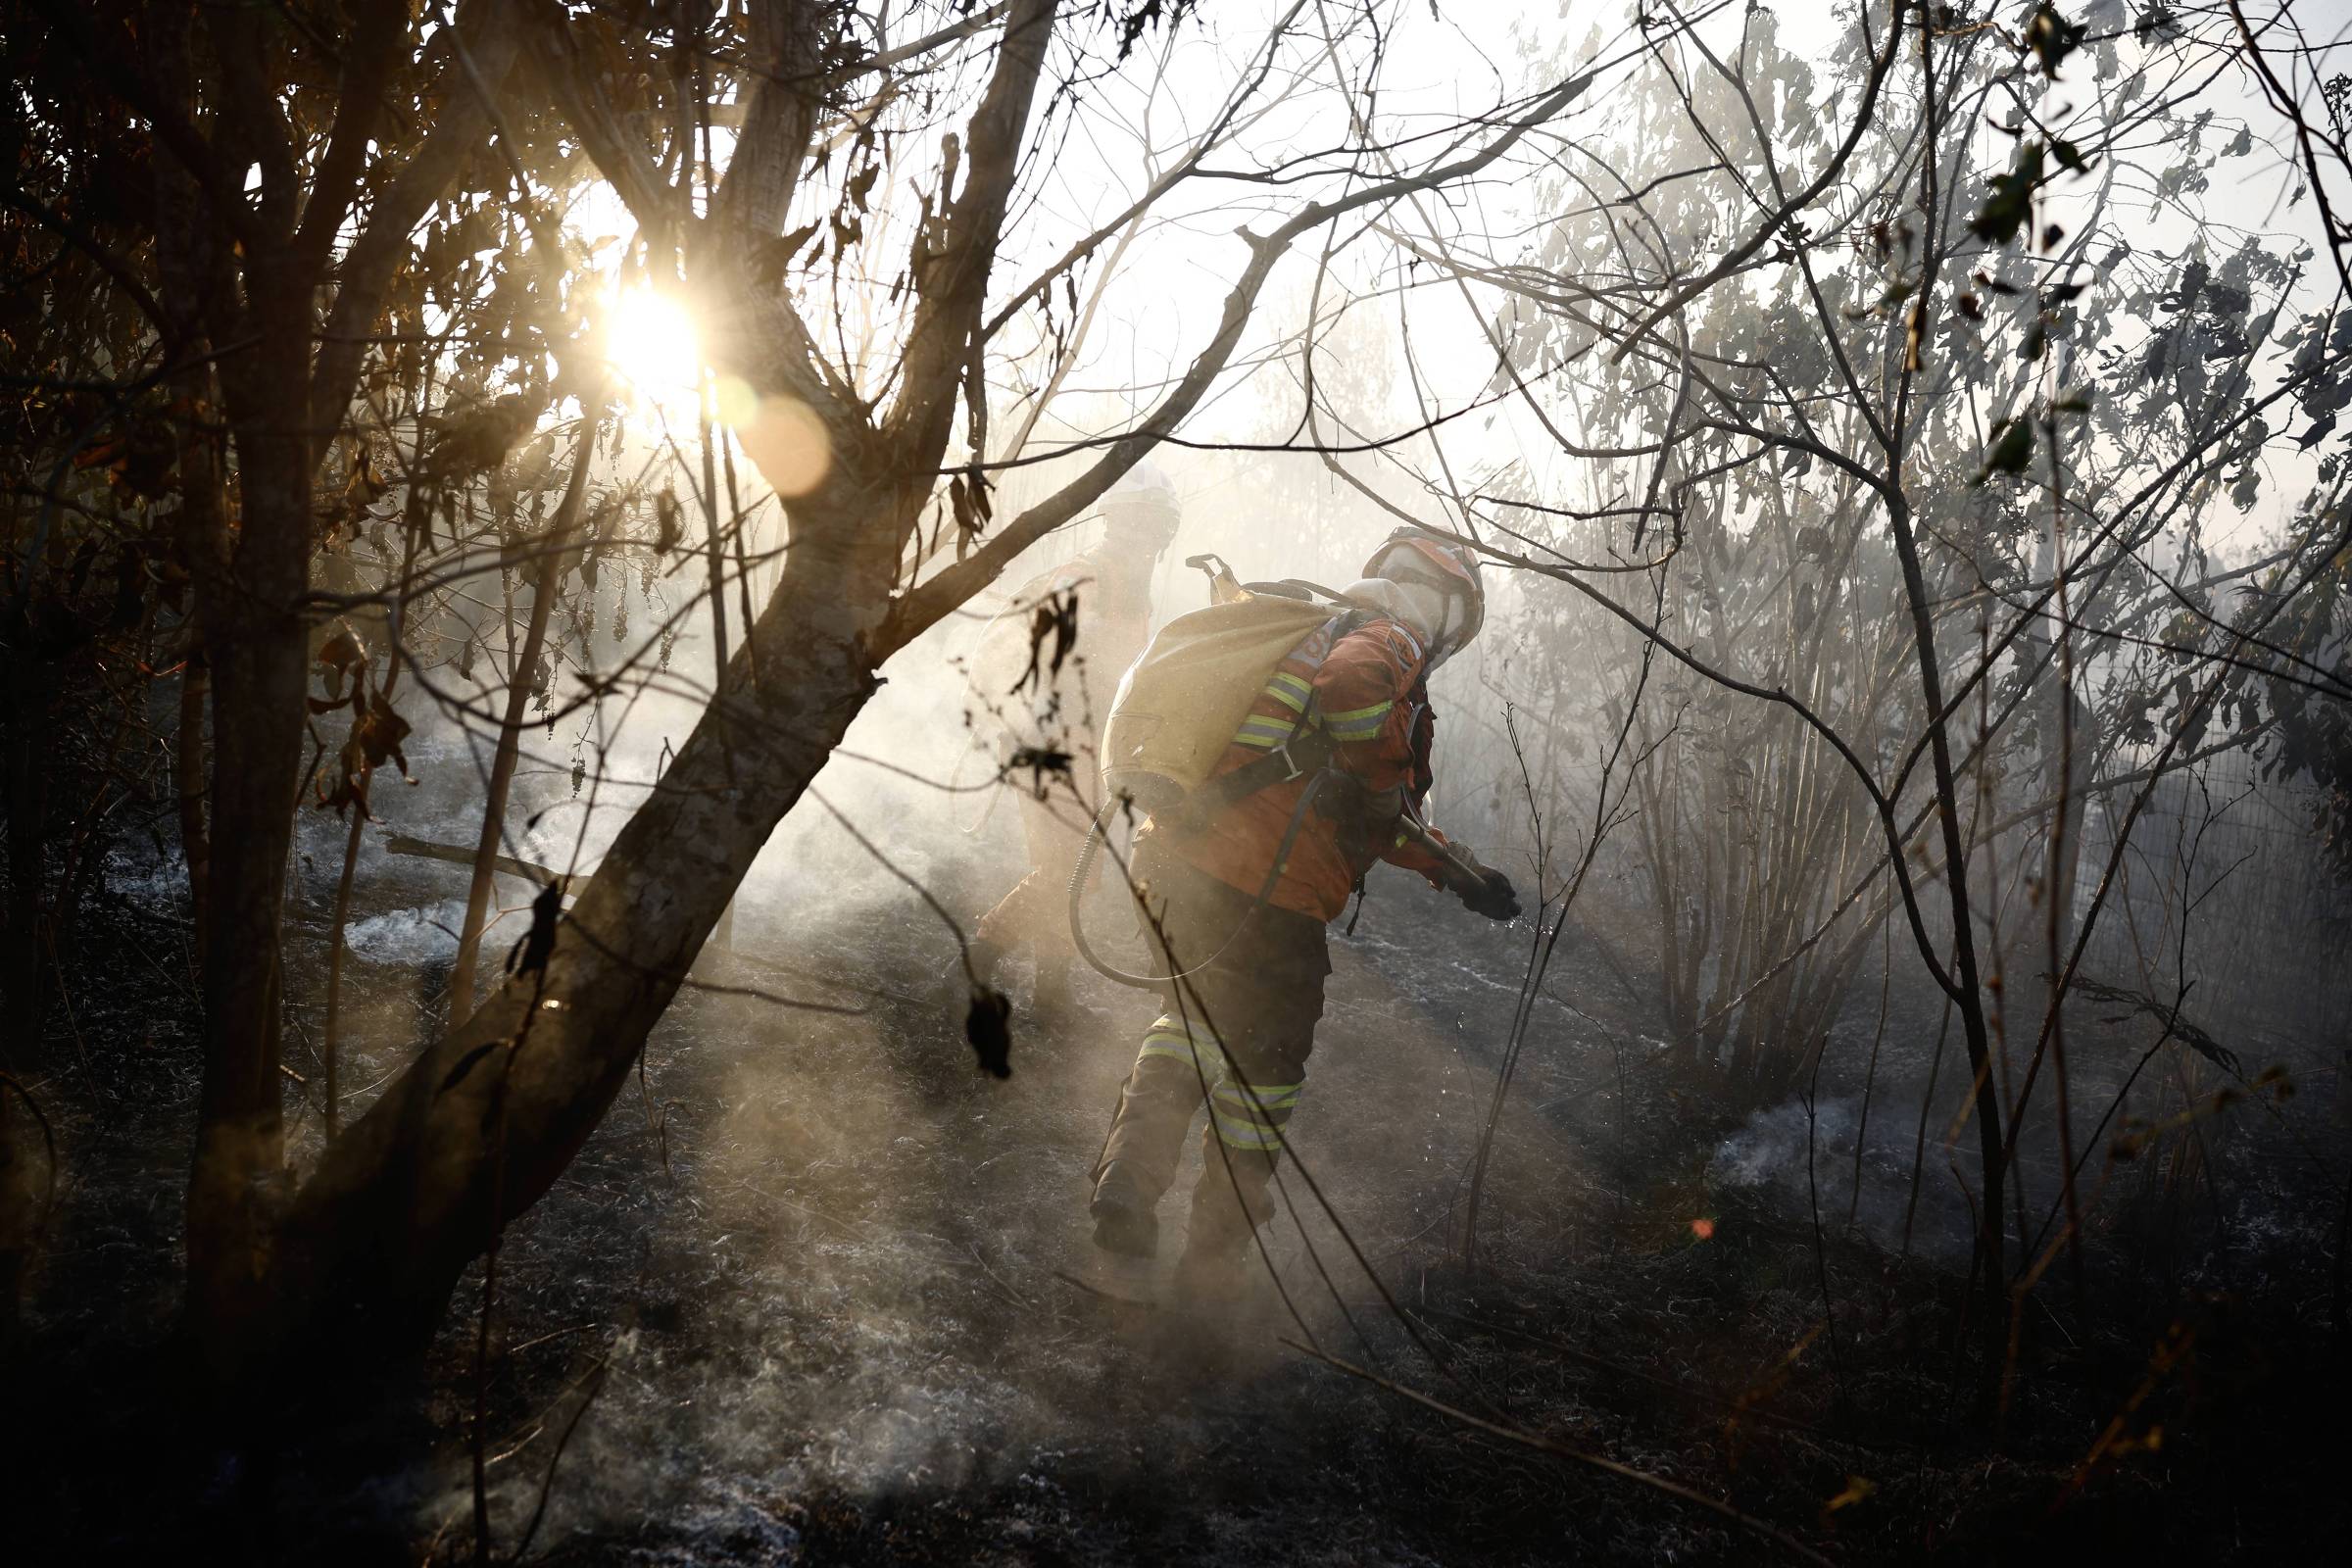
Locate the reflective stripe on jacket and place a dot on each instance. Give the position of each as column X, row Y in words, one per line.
column 1366, row 691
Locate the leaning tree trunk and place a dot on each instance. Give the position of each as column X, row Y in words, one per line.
column 480, row 1126
column 298, row 282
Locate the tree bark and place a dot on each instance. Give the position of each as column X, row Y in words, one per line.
column 286, row 390
column 29, row 679
column 28, row 1180
column 27, row 800
column 259, row 657
column 1969, row 994
column 403, row 1201
column 419, row 1185
column 188, row 781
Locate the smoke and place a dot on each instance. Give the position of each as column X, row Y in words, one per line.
column 427, row 934
column 817, row 1255
column 1792, row 1161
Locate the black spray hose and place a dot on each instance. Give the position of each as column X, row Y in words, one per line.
column 1468, row 875
column 1265, row 893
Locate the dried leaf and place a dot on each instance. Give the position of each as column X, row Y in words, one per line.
column 772, row 260
column 530, row 955
column 1857, row 1490
column 667, row 520
column 2010, row 206
column 988, row 1026
column 2011, row 451
column 2052, row 38
column 1043, row 762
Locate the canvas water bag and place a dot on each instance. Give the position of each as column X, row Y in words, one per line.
column 1181, row 701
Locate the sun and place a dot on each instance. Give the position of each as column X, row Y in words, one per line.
column 650, row 343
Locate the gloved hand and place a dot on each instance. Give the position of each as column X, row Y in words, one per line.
column 1493, row 897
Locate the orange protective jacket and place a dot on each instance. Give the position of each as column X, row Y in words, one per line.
column 1366, row 689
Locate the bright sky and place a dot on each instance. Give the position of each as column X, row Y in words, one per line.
column 1169, row 288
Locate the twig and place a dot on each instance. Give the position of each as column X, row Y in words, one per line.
column 1545, row 1444
column 547, row 1484
column 1742, row 1406
column 530, row 870
column 1821, row 1263
column 1540, row 954
column 544, row 592
column 1870, row 1075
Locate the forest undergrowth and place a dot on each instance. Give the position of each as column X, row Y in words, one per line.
column 818, row 1292
column 1892, row 457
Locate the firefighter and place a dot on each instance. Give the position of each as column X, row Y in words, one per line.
column 1238, row 1024
column 1112, row 582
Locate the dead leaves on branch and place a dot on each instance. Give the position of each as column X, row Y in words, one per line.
column 2176, row 1027
column 341, row 655
column 477, row 439
column 378, row 731
column 142, row 461
column 536, row 946
column 1147, row 15
column 668, row 521
column 1045, row 765
column 774, row 258
column 344, row 509
column 2011, row 197
column 2009, row 450
column 988, row 1027
column 1054, row 621
column 967, row 494
column 2050, row 38
column 2009, row 204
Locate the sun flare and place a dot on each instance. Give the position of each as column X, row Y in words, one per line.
column 651, row 341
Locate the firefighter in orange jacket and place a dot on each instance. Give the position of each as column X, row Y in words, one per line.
column 1240, row 1022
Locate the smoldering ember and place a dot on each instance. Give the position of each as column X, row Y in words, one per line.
column 1128, row 781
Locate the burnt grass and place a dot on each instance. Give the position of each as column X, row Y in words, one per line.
column 810, row 1294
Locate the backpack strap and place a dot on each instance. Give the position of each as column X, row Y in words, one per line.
column 1308, row 752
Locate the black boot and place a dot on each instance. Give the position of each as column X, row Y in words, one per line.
column 1212, row 1277
column 1124, row 1223
column 1229, row 1209
column 1052, row 999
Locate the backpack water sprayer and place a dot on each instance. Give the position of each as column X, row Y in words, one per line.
column 1176, row 712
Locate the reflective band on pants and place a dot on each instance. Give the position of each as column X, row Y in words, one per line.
column 1252, row 1115
column 1168, row 1036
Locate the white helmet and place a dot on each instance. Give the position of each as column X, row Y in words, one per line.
column 1435, row 564
column 1143, row 507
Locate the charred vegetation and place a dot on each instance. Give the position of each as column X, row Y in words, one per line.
column 568, row 568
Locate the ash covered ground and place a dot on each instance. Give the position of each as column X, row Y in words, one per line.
column 813, row 1293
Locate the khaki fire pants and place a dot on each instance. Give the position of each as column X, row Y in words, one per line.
column 1233, row 1036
